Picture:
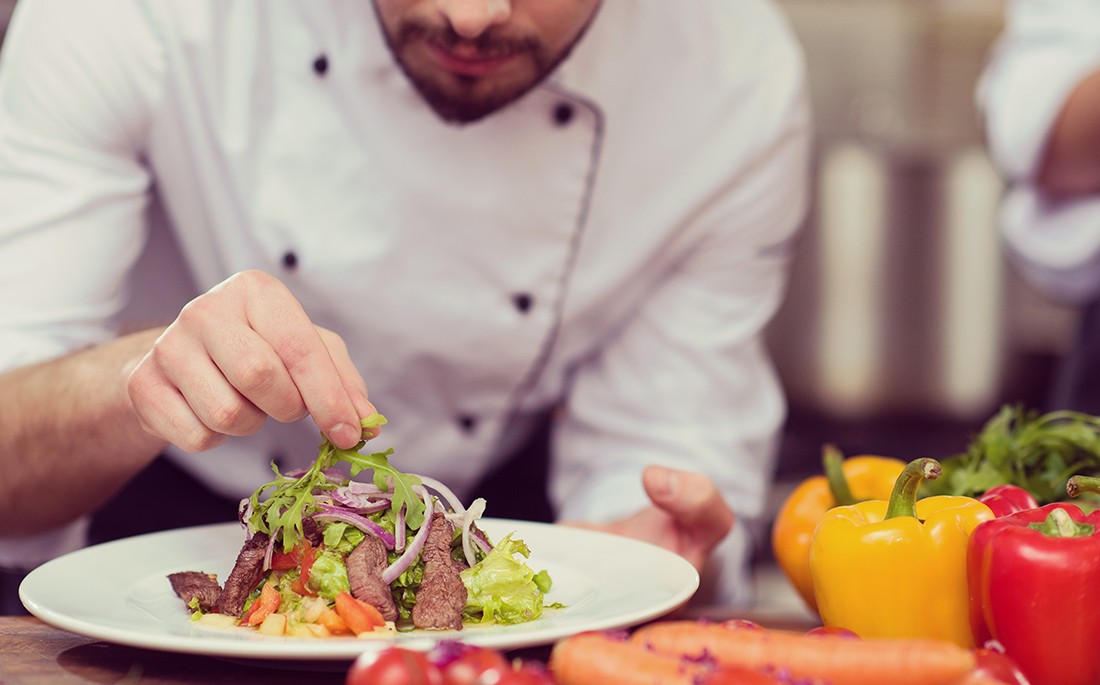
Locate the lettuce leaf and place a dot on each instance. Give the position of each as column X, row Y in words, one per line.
column 501, row 588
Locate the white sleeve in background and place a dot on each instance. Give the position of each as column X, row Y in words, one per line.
column 688, row 383
column 76, row 78
column 1046, row 49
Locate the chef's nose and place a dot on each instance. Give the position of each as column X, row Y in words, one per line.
column 470, row 18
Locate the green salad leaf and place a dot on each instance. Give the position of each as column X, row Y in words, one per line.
column 387, row 477
column 503, row 588
column 1038, row 452
column 279, row 505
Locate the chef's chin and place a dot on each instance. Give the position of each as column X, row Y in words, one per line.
column 465, row 108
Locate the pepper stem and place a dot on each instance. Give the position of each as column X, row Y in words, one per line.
column 903, row 500
column 1079, row 484
column 833, row 462
column 1059, row 524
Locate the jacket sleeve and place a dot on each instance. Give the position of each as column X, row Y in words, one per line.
column 75, row 82
column 1045, row 50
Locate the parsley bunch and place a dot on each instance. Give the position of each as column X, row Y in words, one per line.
column 1038, row 452
column 288, row 500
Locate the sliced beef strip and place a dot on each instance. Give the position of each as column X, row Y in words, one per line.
column 311, row 531
column 191, row 585
column 365, row 565
column 442, row 595
column 247, row 573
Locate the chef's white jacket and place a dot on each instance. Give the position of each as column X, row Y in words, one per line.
column 1046, row 49
column 612, row 244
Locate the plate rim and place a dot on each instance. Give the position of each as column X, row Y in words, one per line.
column 341, row 649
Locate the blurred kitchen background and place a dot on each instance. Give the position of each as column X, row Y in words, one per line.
column 904, row 329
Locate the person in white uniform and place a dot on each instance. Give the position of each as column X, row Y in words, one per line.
column 484, row 211
column 1040, row 100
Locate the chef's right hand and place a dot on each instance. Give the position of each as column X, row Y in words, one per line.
column 244, row 351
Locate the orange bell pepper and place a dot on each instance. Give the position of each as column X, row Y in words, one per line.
column 845, row 481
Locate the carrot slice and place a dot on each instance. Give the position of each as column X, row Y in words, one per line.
column 357, row 614
column 264, row 605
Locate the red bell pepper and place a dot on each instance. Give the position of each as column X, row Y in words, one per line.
column 1008, row 499
column 1034, row 583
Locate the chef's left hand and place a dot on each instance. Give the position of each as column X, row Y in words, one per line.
column 687, row 514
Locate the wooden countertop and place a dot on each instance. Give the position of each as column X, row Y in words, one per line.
column 35, row 653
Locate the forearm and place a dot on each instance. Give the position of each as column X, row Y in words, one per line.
column 1071, row 163
column 69, row 438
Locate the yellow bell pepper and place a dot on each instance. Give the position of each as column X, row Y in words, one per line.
column 897, row 568
column 845, row 482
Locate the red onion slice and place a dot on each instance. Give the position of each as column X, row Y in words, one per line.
column 447, row 493
column 399, row 543
column 269, row 552
column 364, row 503
column 360, row 522
column 477, row 508
column 413, row 551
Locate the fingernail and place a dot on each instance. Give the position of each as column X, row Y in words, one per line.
column 343, row 435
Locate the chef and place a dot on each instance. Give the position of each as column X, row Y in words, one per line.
column 470, row 215
column 1040, row 100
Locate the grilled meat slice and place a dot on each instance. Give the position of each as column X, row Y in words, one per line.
column 365, row 565
column 247, row 573
column 195, row 585
column 442, row 595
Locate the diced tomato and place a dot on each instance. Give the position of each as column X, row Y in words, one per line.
column 309, row 555
column 303, row 555
column 360, row 616
column 283, row 561
column 301, row 588
column 264, row 605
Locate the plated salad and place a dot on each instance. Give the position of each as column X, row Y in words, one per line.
column 327, row 555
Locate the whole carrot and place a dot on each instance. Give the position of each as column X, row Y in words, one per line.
column 601, row 658
column 835, row 659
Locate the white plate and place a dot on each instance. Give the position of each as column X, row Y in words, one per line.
column 118, row 592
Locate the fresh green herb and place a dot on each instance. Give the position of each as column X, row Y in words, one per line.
column 279, row 506
column 387, row 477
column 196, row 610
column 1038, row 452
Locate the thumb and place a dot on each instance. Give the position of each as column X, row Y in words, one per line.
column 692, row 501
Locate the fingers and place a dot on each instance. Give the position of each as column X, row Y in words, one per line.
column 694, row 504
column 303, row 354
column 244, row 351
column 163, row 411
column 354, row 385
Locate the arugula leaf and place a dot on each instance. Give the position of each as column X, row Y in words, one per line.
column 1038, row 452
column 289, row 500
column 387, row 477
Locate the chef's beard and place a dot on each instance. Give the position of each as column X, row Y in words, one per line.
column 462, row 99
